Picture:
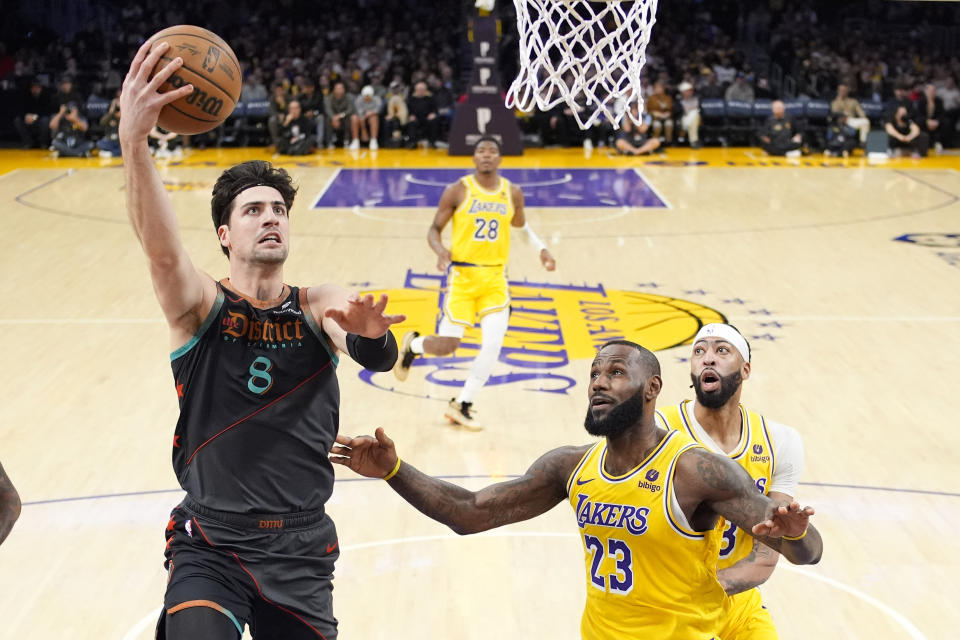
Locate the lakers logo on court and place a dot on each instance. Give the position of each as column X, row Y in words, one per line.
column 550, row 326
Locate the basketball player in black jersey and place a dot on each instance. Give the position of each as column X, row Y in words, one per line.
column 254, row 367
column 9, row 505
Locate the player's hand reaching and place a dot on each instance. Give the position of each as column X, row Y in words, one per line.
column 547, row 260
column 363, row 316
column 368, row 456
column 140, row 100
column 786, row 520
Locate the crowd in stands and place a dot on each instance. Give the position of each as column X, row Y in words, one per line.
column 791, row 77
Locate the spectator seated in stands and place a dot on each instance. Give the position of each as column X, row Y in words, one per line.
column 841, row 138
column 445, row 103
column 69, row 131
column 779, row 136
column 109, row 144
column 366, row 126
column 950, row 95
column 660, row 108
column 311, row 105
column 395, row 119
column 66, row 94
column 930, row 114
column 710, row 87
column 278, row 110
column 739, row 90
column 340, row 110
column 32, row 121
column 551, row 124
column 296, row 132
column 422, row 122
column 632, row 139
column 167, row 143
column 850, row 107
column 905, row 134
column 253, row 88
column 690, row 120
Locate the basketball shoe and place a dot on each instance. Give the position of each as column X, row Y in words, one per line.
column 460, row 413
column 401, row 369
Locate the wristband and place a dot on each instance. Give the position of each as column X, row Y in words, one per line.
column 799, row 537
column 396, row 468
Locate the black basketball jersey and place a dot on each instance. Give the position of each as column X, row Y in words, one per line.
column 259, row 407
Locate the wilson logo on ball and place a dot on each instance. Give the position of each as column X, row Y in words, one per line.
column 210, row 67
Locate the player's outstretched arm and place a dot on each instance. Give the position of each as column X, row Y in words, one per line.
column 180, row 288
column 712, row 483
column 541, row 488
column 9, row 505
column 356, row 324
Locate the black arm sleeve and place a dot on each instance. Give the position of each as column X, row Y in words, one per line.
column 376, row 354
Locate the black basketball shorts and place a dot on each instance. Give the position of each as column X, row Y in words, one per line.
column 271, row 572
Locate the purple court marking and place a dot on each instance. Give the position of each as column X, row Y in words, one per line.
column 541, row 187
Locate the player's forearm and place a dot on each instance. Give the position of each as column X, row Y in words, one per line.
column 806, row 550
column 750, row 572
column 435, row 242
column 148, row 205
column 443, row 501
column 9, row 505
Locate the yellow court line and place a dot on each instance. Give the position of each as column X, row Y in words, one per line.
column 734, row 157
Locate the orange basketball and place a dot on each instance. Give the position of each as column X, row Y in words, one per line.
column 210, row 65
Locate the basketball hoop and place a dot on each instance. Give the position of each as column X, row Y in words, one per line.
column 585, row 54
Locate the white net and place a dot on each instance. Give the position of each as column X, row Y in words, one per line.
column 586, row 54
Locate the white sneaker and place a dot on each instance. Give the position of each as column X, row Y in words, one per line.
column 796, row 153
column 461, row 413
column 163, row 153
column 373, row 144
column 938, row 147
column 105, row 154
column 588, row 145
column 355, row 145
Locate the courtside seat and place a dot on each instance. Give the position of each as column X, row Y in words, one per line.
column 874, row 110
column 713, row 113
column 740, row 126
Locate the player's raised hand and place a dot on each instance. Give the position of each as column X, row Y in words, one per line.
column 363, row 316
column 786, row 520
column 547, row 260
column 140, row 99
column 372, row 457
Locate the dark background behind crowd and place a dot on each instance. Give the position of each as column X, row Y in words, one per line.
column 402, row 65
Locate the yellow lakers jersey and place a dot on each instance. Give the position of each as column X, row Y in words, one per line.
column 481, row 224
column 648, row 574
column 754, row 453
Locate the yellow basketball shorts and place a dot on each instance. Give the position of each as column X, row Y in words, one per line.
column 474, row 292
column 747, row 619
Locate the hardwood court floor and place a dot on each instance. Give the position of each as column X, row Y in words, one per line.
column 855, row 326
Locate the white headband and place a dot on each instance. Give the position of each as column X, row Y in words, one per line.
column 725, row 332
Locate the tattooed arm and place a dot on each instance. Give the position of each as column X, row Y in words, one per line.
column 754, row 569
column 707, row 484
column 9, row 505
column 541, row 488
column 751, row 571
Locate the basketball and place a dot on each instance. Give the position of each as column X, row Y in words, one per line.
column 210, row 65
